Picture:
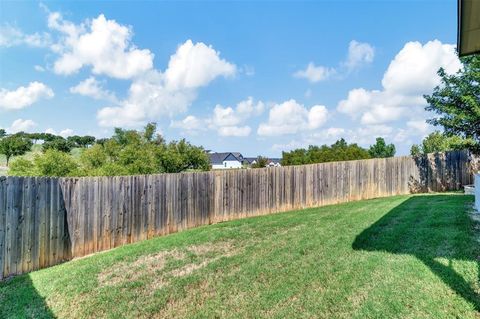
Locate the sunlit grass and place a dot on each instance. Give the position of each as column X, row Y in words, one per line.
column 404, row 257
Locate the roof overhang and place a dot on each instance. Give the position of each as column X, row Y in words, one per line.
column 468, row 37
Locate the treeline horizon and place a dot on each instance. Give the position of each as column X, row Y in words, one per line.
column 133, row 152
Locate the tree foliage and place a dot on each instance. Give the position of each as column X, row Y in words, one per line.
column 14, row 145
column 260, row 162
column 55, row 163
column 127, row 152
column 438, row 142
column 81, row 141
column 338, row 151
column 381, row 149
column 50, row 163
column 456, row 101
column 22, row 167
column 58, row 144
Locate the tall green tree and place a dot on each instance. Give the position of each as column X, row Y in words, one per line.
column 3, row 133
column 381, row 149
column 14, row 145
column 456, row 101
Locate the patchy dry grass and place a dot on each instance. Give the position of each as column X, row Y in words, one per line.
column 159, row 267
column 405, row 257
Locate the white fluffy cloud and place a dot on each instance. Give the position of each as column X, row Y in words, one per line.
column 103, row 44
column 93, row 88
column 315, row 73
column 155, row 93
column 24, row 96
column 228, row 116
column 414, row 68
column 237, row 131
column 189, row 124
column 106, row 48
column 64, row 133
column 12, row 36
column 420, row 126
column 412, row 131
column 226, row 121
column 411, row 74
column 21, row 125
column 359, row 54
column 291, row 117
column 194, row 66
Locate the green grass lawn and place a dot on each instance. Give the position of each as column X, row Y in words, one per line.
column 404, row 257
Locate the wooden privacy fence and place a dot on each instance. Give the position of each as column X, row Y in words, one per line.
column 44, row 221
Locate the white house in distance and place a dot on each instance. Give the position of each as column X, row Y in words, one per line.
column 226, row 160
column 229, row 160
column 271, row 162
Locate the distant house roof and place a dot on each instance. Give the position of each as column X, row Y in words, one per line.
column 274, row 160
column 218, row 158
column 250, row 160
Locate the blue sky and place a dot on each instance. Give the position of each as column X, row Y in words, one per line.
column 254, row 77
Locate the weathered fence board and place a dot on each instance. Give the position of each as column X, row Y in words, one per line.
column 44, row 221
column 33, row 229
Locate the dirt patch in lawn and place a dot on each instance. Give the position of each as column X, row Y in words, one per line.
column 210, row 253
column 157, row 268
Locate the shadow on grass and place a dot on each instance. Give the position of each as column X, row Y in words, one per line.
column 20, row 299
column 429, row 227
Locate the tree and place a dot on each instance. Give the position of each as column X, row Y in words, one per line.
column 149, row 131
column 415, row 150
column 35, row 137
column 59, row 144
column 381, row 150
column 22, row 167
column 456, row 101
column 295, row 157
column 260, row 162
column 338, row 151
column 127, row 152
column 101, row 141
column 94, row 157
column 438, row 142
column 55, row 163
column 81, row 141
column 3, row 133
column 132, row 152
column 179, row 156
column 14, row 145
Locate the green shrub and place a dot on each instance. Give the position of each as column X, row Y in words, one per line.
column 22, row 167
